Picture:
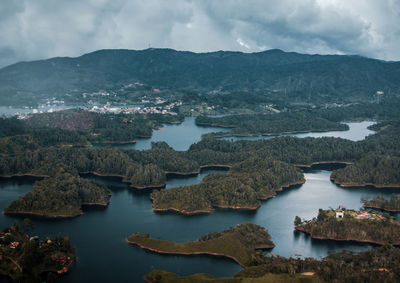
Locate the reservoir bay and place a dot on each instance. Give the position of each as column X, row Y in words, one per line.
column 99, row 235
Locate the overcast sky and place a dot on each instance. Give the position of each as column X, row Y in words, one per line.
column 36, row 29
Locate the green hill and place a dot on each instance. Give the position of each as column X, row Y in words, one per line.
column 270, row 72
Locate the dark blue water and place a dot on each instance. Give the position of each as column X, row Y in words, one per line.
column 99, row 235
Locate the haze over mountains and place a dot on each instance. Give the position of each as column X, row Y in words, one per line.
column 331, row 77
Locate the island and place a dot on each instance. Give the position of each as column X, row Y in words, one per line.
column 242, row 187
column 60, row 196
column 240, row 243
column 25, row 258
column 379, row 202
column 350, row 225
column 380, row 171
column 258, row 169
column 377, row 265
column 270, row 124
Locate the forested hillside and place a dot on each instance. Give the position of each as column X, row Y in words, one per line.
column 77, row 127
column 61, row 195
column 295, row 76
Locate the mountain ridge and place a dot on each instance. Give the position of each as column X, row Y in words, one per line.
column 274, row 70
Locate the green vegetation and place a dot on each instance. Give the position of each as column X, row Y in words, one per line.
column 240, row 243
column 77, row 127
column 273, row 74
column 373, row 169
column 354, row 226
column 270, row 124
column 241, row 188
column 379, row 202
column 26, row 259
column 61, row 195
column 376, row 265
column 160, row 276
column 259, row 167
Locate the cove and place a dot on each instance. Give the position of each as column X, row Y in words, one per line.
column 99, row 235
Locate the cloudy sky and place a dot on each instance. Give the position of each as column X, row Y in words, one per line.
column 39, row 29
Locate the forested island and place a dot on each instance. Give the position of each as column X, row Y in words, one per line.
column 77, row 127
column 350, row 225
column 270, row 124
column 377, row 265
column 242, row 187
column 240, row 243
column 61, row 195
column 379, row 202
column 376, row 170
column 24, row 258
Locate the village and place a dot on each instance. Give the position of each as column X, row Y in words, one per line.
column 56, row 253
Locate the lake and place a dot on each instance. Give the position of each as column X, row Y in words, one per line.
column 99, row 235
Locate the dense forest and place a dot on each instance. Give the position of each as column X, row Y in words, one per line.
column 77, row 127
column 287, row 75
column 148, row 168
column 27, row 259
column 379, row 202
column 241, row 243
column 270, row 124
column 373, row 169
column 241, row 188
column 61, row 195
column 354, row 226
column 377, row 265
column 301, row 120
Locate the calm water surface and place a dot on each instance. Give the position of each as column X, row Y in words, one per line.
column 179, row 137
column 99, row 235
column 357, row 131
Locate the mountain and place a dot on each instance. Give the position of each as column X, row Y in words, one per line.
column 272, row 71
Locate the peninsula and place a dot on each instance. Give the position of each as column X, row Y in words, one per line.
column 60, row 196
column 376, row 265
column 350, row 225
column 242, row 187
column 270, row 124
column 379, row 202
column 240, row 243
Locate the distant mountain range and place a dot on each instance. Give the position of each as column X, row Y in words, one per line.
column 273, row 71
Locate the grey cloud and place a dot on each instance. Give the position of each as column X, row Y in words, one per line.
column 38, row 29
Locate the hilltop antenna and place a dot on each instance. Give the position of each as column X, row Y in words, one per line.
column 379, row 93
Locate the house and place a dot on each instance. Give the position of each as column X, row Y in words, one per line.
column 339, row 214
column 13, row 245
column 362, row 215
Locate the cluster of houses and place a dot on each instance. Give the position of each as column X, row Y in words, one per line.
column 341, row 211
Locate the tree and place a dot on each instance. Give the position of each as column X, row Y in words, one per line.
column 297, row 221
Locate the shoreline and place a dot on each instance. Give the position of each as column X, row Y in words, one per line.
column 301, row 229
column 380, row 208
column 284, row 187
column 228, row 135
column 21, row 213
column 363, row 185
column 184, row 253
column 323, row 162
column 185, row 212
column 112, row 142
column 161, row 186
column 25, row 175
column 227, row 207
